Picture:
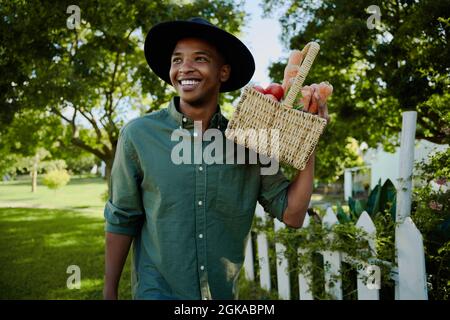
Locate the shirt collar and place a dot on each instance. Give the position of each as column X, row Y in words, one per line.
column 217, row 120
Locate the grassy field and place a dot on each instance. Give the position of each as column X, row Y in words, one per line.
column 38, row 245
column 43, row 233
column 81, row 194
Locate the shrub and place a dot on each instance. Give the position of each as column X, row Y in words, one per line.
column 56, row 179
column 344, row 237
column 104, row 196
column 431, row 214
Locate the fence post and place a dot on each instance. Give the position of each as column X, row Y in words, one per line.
column 367, row 291
column 406, row 164
column 411, row 262
column 263, row 253
column 332, row 261
column 304, row 280
column 408, row 240
column 284, row 285
column 249, row 265
column 348, row 184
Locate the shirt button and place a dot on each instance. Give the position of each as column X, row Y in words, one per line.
column 202, row 268
column 200, row 203
column 200, row 168
column 184, row 119
column 200, row 235
column 205, row 298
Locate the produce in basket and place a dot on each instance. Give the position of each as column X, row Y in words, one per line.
column 311, row 95
column 274, row 91
column 259, row 89
column 291, row 69
column 296, row 133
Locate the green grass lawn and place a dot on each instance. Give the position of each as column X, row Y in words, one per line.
column 81, row 194
column 37, row 244
column 43, row 233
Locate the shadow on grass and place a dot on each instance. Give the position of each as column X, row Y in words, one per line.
column 37, row 246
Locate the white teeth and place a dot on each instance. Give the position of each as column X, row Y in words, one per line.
column 189, row 82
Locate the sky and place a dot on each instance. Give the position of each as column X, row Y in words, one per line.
column 262, row 36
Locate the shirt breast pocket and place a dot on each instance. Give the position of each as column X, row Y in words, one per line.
column 235, row 192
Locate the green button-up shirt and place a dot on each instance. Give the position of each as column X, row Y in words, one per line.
column 190, row 222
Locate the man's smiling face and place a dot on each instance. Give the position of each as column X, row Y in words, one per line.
column 197, row 71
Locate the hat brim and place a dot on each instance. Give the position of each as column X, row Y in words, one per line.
column 163, row 37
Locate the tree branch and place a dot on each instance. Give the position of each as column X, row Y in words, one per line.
column 80, row 143
column 93, row 123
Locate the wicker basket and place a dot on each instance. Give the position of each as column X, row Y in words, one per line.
column 290, row 135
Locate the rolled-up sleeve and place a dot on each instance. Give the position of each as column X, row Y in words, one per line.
column 273, row 194
column 123, row 210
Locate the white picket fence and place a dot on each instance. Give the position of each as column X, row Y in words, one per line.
column 408, row 271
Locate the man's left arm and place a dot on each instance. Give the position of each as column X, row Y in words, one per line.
column 301, row 188
column 299, row 195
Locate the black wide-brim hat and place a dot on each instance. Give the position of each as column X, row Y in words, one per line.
column 163, row 37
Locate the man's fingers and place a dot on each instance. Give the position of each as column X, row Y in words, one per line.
column 314, row 107
column 306, row 97
column 323, row 111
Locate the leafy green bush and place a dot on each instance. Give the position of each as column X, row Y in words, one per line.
column 344, row 237
column 431, row 214
column 104, row 196
column 81, row 164
column 382, row 199
column 56, row 179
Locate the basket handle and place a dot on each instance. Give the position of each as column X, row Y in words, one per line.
column 310, row 52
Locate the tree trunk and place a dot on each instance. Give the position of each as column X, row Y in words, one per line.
column 34, row 173
column 108, row 169
column 34, row 179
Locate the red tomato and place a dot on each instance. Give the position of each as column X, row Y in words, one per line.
column 259, row 89
column 276, row 90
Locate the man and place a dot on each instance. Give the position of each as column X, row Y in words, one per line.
column 189, row 222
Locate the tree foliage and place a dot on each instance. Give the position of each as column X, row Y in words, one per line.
column 401, row 65
column 96, row 76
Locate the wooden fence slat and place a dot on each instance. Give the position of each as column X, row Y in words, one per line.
column 406, row 165
column 304, row 281
column 411, row 262
column 368, row 291
column 249, row 262
column 332, row 261
column 330, row 218
column 263, row 253
column 284, row 285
